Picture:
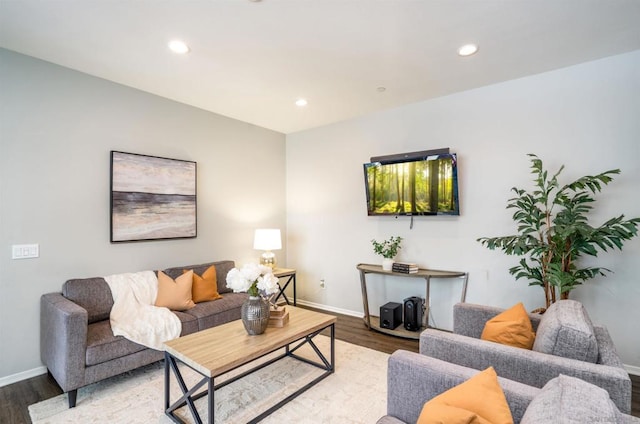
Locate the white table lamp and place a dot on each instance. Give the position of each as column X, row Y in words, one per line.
column 267, row 240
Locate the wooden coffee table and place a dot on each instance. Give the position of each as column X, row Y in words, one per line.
column 218, row 350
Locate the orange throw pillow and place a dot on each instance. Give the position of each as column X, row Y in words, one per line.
column 205, row 287
column 175, row 295
column 512, row 327
column 439, row 413
column 479, row 400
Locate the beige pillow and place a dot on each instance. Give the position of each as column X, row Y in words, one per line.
column 175, row 294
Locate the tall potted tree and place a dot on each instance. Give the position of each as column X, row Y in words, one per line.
column 554, row 232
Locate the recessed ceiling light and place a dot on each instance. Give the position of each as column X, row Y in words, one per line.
column 468, row 49
column 301, row 102
column 178, row 46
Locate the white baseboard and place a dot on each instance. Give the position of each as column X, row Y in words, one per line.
column 24, row 375
column 330, row 308
column 631, row 369
column 14, row 378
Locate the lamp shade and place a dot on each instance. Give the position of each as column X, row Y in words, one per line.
column 267, row 239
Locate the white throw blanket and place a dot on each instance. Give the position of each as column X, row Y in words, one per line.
column 134, row 315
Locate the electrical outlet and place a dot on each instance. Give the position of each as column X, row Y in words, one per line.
column 323, row 285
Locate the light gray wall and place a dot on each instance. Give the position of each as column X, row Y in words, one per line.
column 57, row 127
column 586, row 117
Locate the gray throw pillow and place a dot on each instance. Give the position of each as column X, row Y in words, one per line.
column 566, row 330
column 570, row 400
column 92, row 294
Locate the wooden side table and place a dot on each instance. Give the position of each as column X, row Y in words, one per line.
column 284, row 273
column 373, row 322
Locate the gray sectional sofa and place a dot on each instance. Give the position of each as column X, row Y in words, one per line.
column 77, row 344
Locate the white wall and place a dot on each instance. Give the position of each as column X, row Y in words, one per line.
column 57, row 127
column 585, row 117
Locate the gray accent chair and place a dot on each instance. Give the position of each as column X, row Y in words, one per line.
column 76, row 341
column 534, row 368
column 413, row 379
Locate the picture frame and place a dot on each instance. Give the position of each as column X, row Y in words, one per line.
column 152, row 198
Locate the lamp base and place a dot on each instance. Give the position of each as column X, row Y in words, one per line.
column 268, row 258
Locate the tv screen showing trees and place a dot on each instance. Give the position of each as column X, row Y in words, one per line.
column 425, row 186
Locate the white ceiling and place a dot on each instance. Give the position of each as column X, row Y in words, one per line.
column 252, row 60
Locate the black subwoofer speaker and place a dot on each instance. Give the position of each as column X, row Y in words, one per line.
column 390, row 315
column 413, row 313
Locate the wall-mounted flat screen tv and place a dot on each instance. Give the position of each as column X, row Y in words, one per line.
column 425, row 185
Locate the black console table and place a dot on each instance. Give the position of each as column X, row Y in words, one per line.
column 373, row 322
column 291, row 274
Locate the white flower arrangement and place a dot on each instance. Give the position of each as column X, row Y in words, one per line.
column 254, row 279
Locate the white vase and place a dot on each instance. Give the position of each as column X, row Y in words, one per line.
column 387, row 264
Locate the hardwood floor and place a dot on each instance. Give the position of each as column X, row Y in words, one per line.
column 635, row 395
column 15, row 398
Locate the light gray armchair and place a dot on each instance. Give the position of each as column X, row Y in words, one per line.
column 413, row 379
column 534, row 368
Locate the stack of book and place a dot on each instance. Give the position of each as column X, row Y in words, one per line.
column 404, row 267
column 278, row 317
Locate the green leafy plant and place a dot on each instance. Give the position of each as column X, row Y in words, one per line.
column 554, row 232
column 389, row 248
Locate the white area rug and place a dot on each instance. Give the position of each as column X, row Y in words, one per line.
column 355, row 393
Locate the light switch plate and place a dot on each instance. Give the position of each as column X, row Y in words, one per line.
column 25, row 251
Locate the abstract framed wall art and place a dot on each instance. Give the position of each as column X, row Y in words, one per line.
column 152, row 198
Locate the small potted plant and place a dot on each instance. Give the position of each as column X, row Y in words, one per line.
column 388, row 249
